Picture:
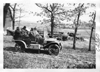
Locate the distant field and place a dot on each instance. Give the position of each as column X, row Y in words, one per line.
column 82, row 32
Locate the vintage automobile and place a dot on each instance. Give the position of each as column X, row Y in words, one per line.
column 52, row 45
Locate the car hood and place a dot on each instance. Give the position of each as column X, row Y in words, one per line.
column 52, row 39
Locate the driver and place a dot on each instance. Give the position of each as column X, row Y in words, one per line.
column 38, row 37
column 24, row 32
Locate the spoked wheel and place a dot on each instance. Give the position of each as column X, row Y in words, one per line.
column 54, row 49
column 17, row 47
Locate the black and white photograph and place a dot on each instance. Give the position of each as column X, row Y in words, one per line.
column 49, row 35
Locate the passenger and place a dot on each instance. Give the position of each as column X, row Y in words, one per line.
column 25, row 35
column 24, row 32
column 31, row 34
column 17, row 33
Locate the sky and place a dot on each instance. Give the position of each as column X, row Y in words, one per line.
column 31, row 7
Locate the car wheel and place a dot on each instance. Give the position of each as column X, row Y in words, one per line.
column 19, row 47
column 54, row 49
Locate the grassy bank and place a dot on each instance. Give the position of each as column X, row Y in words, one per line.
column 67, row 58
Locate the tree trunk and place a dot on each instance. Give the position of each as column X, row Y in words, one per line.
column 93, row 26
column 74, row 42
column 13, row 20
column 90, row 39
column 13, row 16
column 13, row 24
column 52, row 24
column 76, row 27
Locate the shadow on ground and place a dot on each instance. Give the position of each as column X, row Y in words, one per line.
column 34, row 51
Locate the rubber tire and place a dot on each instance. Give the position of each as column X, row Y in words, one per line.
column 20, row 47
column 52, row 48
column 17, row 47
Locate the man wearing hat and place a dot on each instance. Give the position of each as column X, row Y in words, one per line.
column 24, row 32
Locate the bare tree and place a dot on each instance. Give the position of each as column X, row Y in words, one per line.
column 79, row 8
column 92, row 27
column 15, row 12
column 19, row 13
column 12, row 15
column 51, row 11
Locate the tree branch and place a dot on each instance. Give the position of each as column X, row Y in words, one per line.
column 15, row 5
column 47, row 9
column 11, row 7
column 94, row 16
column 44, row 7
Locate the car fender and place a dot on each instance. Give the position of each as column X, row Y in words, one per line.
column 21, row 42
column 46, row 46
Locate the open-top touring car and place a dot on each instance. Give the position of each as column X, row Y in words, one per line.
column 50, row 44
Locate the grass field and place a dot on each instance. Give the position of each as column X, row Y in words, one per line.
column 67, row 58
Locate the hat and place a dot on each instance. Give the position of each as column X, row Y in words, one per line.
column 31, row 28
column 24, row 27
column 35, row 28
